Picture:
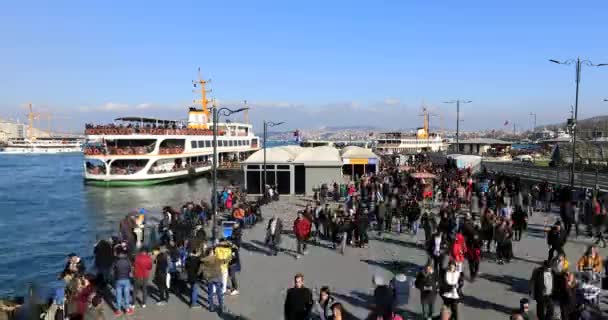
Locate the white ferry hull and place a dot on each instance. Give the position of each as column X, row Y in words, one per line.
column 34, row 150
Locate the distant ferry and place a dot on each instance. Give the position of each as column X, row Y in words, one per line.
column 42, row 145
column 394, row 143
column 145, row 151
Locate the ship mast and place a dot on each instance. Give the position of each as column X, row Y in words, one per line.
column 204, row 102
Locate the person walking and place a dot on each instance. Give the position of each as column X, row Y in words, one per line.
column 381, row 217
column 122, row 273
column 426, row 282
column 161, row 275
column 298, row 301
column 224, row 253
column 104, row 259
column 301, row 229
column 541, row 289
column 322, row 308
column 556, row 239
column 212, row 272
column 273, row 234
column 567, row 298
column 234, row 267
column 458, row 252
column 474, row 255
column 451, row 289
column 192, row 266
column 141, row 274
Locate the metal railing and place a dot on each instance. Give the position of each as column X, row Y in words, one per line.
column 557, row 175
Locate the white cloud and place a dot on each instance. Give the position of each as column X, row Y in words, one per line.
column 112, row 106
column 143, row 106
column 391, row 101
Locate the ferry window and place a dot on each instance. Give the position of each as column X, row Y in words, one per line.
column 222, row 143
column 283, row 167
column 201, row 144
column 193, row 144
column 208, row 144
column 253, row 166
column 230, row 143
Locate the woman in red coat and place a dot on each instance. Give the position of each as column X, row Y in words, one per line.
column 459, row 249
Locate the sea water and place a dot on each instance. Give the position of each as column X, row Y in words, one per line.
column 47, row 212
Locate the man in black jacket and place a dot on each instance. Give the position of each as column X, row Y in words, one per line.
column 426, row 282
column 298, row 302
column 192, row 266
column 556, row 239
column 541, row 289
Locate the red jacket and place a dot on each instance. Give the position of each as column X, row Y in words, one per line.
column 459, row 248
column 142, row 266
column 302, row 228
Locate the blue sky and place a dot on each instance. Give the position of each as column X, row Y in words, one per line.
column 311, row 63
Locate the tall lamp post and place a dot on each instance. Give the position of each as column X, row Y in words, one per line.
column 578, row 64
column 266, row 125
column 458, row 102
column 217, row 112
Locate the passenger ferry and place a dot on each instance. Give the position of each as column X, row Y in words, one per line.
column 145, row 151
column 42, row 145
column 393, row 143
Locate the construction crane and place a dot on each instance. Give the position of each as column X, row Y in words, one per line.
column 31, row 117
column 49, row 116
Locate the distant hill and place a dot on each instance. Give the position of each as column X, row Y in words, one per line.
column 339, row 128
column 587, row 128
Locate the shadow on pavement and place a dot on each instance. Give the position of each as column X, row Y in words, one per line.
column 405, row 267
column 477, row 303
column 253, row 248
column 366, row 301
column 518, row 285
column 399, row 243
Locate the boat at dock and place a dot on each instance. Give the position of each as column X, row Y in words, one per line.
column 144, row 151
column 42, row 145
column 393, row 143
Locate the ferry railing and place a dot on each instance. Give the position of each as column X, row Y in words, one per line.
column 150, row 131
column 556, row 175
column 187, row 167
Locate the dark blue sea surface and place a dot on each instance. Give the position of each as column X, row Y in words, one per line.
column 47, row 212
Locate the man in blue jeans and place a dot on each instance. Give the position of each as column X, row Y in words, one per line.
column 122, row 275
column 213, row 274
column 192, row 266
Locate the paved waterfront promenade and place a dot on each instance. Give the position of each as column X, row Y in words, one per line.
column 264, row 279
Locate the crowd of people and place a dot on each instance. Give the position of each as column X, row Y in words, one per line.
column 478, row 218
column 467, row 218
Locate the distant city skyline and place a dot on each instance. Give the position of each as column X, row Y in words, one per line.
column 311, row 64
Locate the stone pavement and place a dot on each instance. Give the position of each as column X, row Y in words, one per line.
column 265, row 279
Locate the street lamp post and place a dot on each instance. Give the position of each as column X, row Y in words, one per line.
column 266, row 125
column 579, row 64
column 458, row 102
column 216, row 114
